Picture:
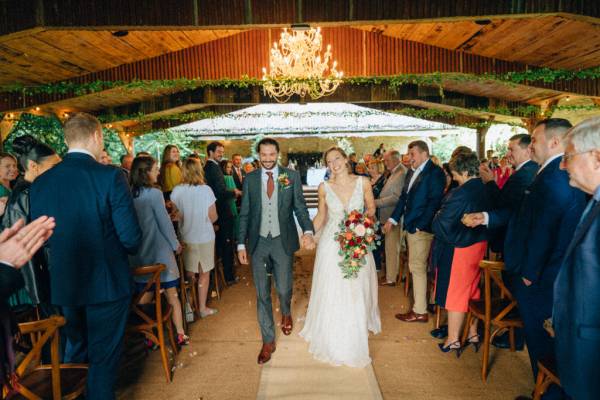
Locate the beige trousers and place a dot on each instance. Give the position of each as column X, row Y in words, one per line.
column 419, row 244
column 393, row 245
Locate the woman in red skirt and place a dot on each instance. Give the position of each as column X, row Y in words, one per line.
column 458, row 250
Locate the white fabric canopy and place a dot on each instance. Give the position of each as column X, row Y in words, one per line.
column 322, row 119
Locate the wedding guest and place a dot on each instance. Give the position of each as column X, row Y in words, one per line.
column 457, row 250
column 352, row 161
column 227, row 168
column 406, row 161
column 502, row 173
column 576, row 310
column 380, row 151
column 196, row 204
column 96, row 227
column 126, row 161
column 35, row 158
column 170, row 169
column 385, row 203
column 225, row 235
column 377, row 180
column 8, row 173
column 159, row 239
column 238, row 172
column 248, row 167
column 360, row 169
column 538, row 234
column 105, row 158
column 418, row 203
column 18, row 243
column 142, row 153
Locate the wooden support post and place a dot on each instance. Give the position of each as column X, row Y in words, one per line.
column 530, row 123
column 127, row 140
column 481, row 133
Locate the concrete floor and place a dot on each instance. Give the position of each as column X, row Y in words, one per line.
column 220, row 362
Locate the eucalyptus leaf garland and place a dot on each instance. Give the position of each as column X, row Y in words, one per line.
column 436, row 79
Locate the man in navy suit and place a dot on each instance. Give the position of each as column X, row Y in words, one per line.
column 96, row 227
column 507, row 201
column 420, row 199
column 538, row 235
column 576, row 312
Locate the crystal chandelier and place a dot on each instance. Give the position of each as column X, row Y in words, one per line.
column 296, row 67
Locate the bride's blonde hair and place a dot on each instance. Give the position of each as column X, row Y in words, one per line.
column 342, row 152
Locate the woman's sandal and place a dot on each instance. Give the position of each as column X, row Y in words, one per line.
column 208, row 312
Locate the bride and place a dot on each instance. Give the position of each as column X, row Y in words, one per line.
column 341, row 312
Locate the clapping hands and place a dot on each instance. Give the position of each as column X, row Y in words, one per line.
column 20, row 242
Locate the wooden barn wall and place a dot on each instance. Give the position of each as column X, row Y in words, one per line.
column 16, row 15
column 358, row 53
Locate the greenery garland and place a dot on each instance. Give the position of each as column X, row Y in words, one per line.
column 546, row 75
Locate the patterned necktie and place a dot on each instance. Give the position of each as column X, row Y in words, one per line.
column 270, row 184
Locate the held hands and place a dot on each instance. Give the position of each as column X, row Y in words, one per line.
column 472, row 220
column 243, row 256
column 308, row 241
column 387, row 227
column 20, row 242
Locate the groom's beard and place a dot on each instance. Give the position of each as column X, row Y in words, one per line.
column 267, row 164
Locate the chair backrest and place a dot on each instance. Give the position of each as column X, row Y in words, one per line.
column 492, row 274
column 41, row 332
column 153, row 284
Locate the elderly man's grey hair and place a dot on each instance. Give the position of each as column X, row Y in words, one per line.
column 586, row 135
column 395, row 154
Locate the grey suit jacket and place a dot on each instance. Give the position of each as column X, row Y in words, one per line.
column 390, row 194
column 290, row 202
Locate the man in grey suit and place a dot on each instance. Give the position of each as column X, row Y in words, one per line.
column 271, row 197
column 388, row 198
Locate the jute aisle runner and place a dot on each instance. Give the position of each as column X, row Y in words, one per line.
column 292, row 373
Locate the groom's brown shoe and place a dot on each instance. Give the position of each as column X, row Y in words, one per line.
column 287, row 324
column 413, row 317
column 265, row 353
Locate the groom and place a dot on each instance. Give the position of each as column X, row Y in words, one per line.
column 271, row 197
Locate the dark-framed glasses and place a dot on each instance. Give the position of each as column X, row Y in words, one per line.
column 568, row 156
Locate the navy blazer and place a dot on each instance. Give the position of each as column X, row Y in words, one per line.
column 539, row 233
column 576, row 313
column 422, row 202
column 447, row 226
column 96, row 226
column 506, row 201
column 215, row 179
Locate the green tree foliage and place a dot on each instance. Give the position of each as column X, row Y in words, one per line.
column 155, row 142
column 45, row 129
column 49, row 130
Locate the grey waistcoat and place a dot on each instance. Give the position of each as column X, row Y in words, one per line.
column 269, row 222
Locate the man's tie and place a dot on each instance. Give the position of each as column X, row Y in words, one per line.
column 270, row 184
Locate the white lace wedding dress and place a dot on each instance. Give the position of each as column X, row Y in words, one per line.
column 341, row 312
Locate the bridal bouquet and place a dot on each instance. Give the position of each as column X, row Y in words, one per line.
column 357, row 236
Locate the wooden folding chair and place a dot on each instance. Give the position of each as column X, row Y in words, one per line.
column 498, row 314
column 187, row 285
column 218, row 274
column 150, row 318
column 547, row 375
column 36, row 381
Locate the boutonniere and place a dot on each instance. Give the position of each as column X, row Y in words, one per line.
column 284, row 181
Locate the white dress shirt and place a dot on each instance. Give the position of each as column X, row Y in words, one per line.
column 415, row 174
